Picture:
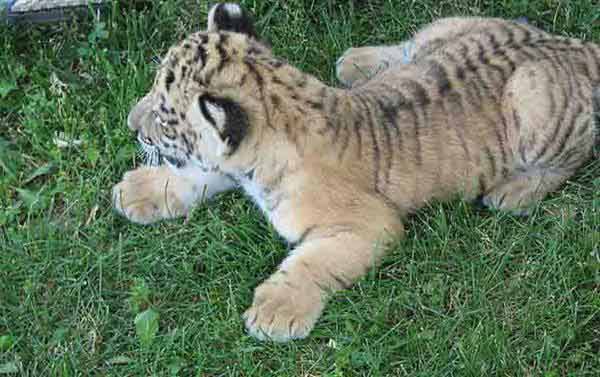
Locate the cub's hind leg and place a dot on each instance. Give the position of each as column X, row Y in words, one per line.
column 550, row 129
column 359, row 64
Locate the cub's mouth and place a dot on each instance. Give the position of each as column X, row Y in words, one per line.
column 152, row 156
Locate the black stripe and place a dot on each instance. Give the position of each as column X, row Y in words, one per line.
column 437, row 73
column 472, row 70
column 497, row 68
column 460, row 73
column 516, row 120
column 200, row 38
column 169, row 79
column 418, row 92
column 589, row 129
column 522, row 152
column 252, row 69
column 357, row 132
column 483, row 66
column 502, row 147
column 333, row 111
column 200, row 55
column 481, row 53
column 243, row 79
column 303, row 81
column 323, row 93
column 510, row 34
column 455, row 102
column 525, row 37
column 346, row 140
column 376, row 150
column 275, row 101
column 304, row 236
column 552, row 98
column 260, row 83
column 276, row 63
column 334, row 104
column 491, row 161
column 169, row 134
column 482, row 185
column 417, row 105
column 401, row 101
column 390, row 113
column 162, row 106
column 564, row 140
column 223, row 57
column 186, row 143
column 501, row 53
column 492, row 40
column 557, row 125
column 314, row 105
column 388, row 144
column 184, row 70
column 524, row 50
column 566, row 158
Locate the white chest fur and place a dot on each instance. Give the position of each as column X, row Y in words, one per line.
column 281, row 217
column 256, row 192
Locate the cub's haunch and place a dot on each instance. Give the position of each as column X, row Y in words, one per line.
column 485, row 108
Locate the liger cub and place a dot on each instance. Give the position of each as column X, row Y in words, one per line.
column 486, row 108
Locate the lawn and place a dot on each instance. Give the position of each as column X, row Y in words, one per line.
column 467, row 293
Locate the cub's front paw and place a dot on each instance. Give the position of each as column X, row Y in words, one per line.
column 147, row 195
column 282, row 311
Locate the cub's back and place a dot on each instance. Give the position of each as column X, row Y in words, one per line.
column 454, row 119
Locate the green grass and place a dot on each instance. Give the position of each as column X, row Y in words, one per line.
column 467, row 293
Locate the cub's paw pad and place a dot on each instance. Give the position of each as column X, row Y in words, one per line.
column 281, row 312
column 358, row 65
column 142, row 197
column 506, row 201
column 141, row 211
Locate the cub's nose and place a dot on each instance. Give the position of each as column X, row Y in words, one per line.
column 140, row 113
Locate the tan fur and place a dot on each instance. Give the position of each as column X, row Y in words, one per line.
column 487, row 108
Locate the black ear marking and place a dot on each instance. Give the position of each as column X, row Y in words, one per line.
column 231, row 17
column 232, row 125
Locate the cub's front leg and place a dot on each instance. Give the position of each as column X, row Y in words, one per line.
column 149, row 194
column 329, row 257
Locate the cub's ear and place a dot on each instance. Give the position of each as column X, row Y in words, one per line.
column 231, row 17
column 227, row 120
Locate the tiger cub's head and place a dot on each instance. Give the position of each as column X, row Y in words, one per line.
column 206, row 94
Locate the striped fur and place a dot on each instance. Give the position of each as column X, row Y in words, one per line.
column 485, row 108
